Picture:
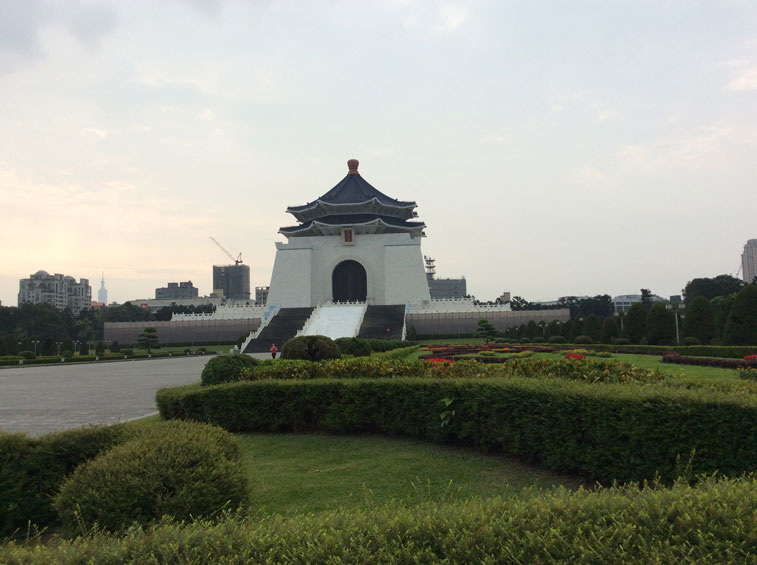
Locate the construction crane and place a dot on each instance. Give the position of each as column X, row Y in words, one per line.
column 237, row 261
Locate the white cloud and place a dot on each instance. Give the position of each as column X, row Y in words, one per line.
column 747, row 80
column 451, row 18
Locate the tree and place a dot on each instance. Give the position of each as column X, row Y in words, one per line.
column 148, row 339
column 722, row 285
column 699, row 321
column 661, row 328
column 646, row 298
column 610, row 330
column 48, row 347
column 531, row 329
column 741, row 327
column 485, row 330
column 519, row 303
column 636, row 322
column 553, row 328
column 576, row 329
column 593, row 327
column 127, row 312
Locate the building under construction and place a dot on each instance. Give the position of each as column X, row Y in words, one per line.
column 232, row 280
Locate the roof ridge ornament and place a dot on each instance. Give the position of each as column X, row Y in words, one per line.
column 352, row 165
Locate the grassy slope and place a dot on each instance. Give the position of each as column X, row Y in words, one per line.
column 312, row 473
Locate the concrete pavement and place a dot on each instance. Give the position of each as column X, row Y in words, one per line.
column 43, row 399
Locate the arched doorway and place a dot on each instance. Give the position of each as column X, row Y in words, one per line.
column 349, row 282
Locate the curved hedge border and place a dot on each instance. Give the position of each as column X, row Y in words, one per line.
column 605, row 432
column 711, row 523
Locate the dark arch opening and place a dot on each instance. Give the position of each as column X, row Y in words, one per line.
column 349, row 283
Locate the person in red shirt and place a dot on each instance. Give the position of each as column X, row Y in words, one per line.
column 274, row 349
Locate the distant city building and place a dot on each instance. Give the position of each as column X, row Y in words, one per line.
column 443, row 288
column 102, row 294
column 261, row 295
column 176, row 290
column 749, row 261
column 623, row 302
column 61, row 291
column 233, row 280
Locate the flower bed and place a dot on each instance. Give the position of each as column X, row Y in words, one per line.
column 749, row 361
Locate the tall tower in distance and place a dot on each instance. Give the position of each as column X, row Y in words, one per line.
column 749, row 261
column 102, row 294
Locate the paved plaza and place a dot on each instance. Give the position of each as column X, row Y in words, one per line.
column 43, row 399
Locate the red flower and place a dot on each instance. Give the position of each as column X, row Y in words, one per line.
column 436, row 360
column 574, row 356
column 752, row 356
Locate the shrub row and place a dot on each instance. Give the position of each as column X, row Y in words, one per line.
column 731, row 351
column 33, row 469
column 86, row 470
column 678, row 359
column 398, row 353
column 360, row 347
column 630, row 432
column 376, row 367
column 176, row 469
column 711, row 523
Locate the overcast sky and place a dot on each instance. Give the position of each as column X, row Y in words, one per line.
column 553, row 148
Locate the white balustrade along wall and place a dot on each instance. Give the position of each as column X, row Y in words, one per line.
column 335, row 320
column 226, row 312
column 444, row 305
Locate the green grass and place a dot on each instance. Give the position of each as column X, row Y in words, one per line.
column 312, row 473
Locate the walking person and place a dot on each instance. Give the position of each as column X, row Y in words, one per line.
column 274, row 349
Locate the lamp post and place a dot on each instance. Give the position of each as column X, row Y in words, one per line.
column 35, row 342
column 675, row 316
column 76, row 347
column 619, row 317
column 58, row 343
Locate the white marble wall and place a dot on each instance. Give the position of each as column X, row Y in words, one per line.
column 393, row 264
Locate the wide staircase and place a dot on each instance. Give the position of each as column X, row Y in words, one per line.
column 378, row 319
column 335, row 320
column 284, row 325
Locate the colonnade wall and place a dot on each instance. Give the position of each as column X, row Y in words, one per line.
column 465, row 323
column 187, row 331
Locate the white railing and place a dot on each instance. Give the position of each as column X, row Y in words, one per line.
column 264, row 321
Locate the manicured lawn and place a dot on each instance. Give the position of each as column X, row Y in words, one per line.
column 292, row 473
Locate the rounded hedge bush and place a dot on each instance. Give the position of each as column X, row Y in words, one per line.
column 583, row 340
column 691, row 340
column 557, row 339
column 622, row 341
column 311, row 348
column 178, row 469
column 226, row 368
column 354, row 346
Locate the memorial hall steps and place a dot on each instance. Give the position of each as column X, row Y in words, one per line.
column 284, row 325
column 378, row 318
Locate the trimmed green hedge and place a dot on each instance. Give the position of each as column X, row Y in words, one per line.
column 177, row 469
column 32, row 470
column 625, row 432
column 711, row 523
column 376, row 367
column 728, row 351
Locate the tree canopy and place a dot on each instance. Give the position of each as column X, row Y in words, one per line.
column 722, row 285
